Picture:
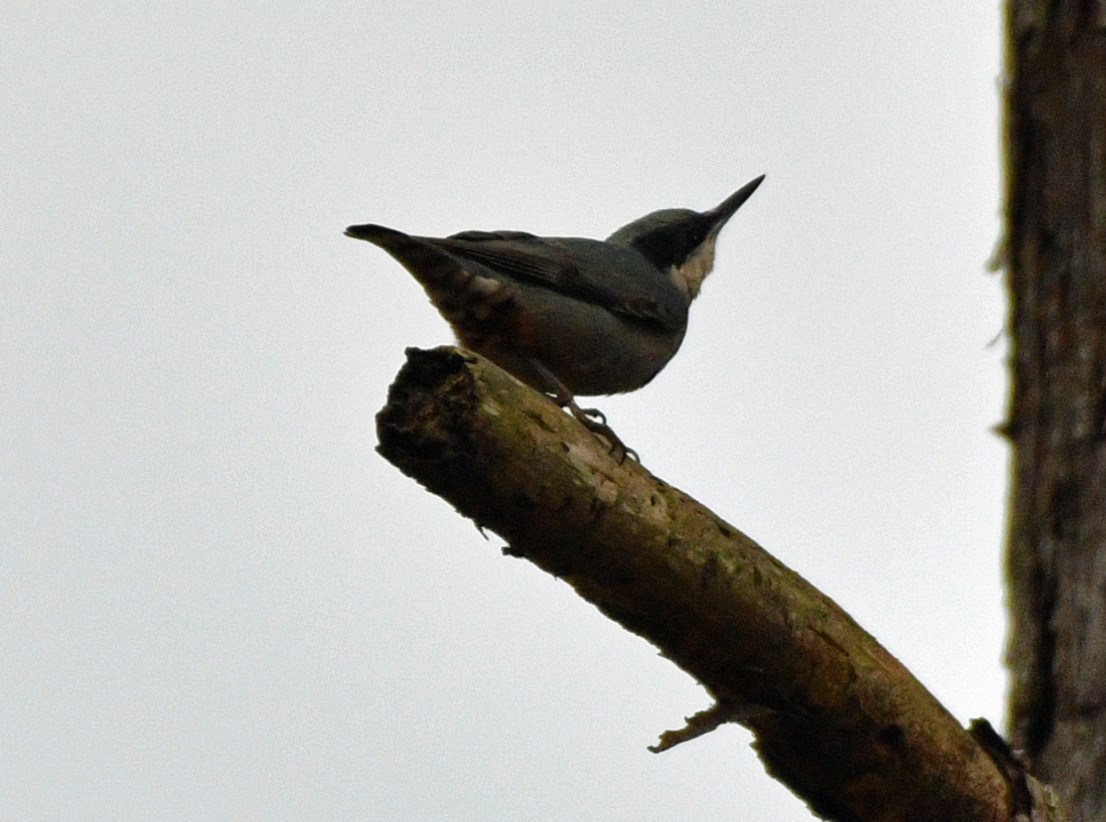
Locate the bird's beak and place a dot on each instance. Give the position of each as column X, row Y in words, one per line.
column 726, row 209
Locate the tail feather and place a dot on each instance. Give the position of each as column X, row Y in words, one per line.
column 429, row 264
column 465, row 292
column 376, row 234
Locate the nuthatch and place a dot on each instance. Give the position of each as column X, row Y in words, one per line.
column 569, row 315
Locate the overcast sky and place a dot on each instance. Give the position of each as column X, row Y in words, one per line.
column 218, row 602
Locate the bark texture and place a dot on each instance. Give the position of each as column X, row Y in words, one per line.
column 1056, row 249
column 836, row 717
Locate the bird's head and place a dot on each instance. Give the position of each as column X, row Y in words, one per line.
column 680, row 241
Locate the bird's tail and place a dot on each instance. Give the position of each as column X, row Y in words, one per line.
column 386, row 238
column 430, row 265
column 464, row 292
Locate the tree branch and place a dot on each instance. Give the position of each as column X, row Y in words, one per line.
column 836, row 717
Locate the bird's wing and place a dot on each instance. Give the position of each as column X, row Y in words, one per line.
column 610, row 277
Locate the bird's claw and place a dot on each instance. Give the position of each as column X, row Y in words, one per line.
column 596, row 415
column 592, row 418
column 596, row 422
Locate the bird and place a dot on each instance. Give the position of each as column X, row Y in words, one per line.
column 570, row 316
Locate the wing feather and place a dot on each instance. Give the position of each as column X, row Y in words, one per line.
column 614, row 278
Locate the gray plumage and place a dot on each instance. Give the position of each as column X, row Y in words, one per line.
column 569, row 315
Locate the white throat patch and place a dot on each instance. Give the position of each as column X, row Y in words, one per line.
column 689, row 277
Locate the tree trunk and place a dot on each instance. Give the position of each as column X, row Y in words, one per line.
column 1056, row 266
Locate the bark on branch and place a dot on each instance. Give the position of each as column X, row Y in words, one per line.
column 836, row 717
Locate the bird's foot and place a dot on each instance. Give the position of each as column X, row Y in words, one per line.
column 596, row 422
column 592, row 418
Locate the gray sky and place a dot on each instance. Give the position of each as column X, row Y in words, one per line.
column 218, row 602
